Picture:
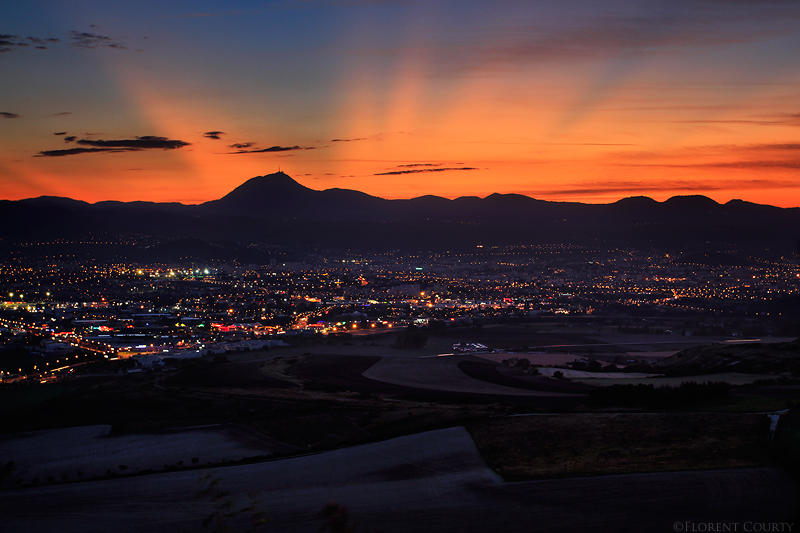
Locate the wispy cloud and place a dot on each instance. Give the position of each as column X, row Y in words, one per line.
column 146, row 142
column 6, row 114
column 270, row 149
column 10, row 42
column 81, row 39
column 85, row 39
column 75, row 151
column 792, row 164
column 421, row 170
column 775, row 146
column 775, row 119
column 573, row 38
column 591, row 144
column 213, row 134
column 637, row 187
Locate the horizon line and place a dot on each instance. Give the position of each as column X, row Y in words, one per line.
column 280, row 172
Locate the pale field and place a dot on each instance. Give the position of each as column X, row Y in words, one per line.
column 90, row 451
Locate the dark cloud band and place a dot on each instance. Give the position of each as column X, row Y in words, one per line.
column 420, row 170
column 144, row 142
column 147, row 142
column 270, row 149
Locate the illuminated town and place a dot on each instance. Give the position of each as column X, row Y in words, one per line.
column 59, row 316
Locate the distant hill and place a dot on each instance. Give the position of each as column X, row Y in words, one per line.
column 276, row 210
column 749, row 358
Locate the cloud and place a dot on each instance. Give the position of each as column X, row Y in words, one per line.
column 591, row 144
column 524, row 37
column 348, row 140
column 9, row 42
column 775, row 146
column 745, row 164
column 420, row 165
column 139, row 143
column 69, row 139
column 59, row 133
column 776, row 155
column 270, row 149
column 755, row 155
column 632, row 187
column 208, row 14
column 41, row 43
column 61, row 114
column 213, row 134
column 39, row 40
column 776, row 119
column 80, row 39
column 241, row 146
column 85, row 39
column 146, row 142
column 75, row 151
column 6, row 114
column 741, row 121
column 420, row 170
column 793, row 118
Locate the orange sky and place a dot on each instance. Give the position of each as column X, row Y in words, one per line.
column 592, row 118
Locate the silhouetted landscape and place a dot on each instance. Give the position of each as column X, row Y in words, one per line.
column 365, row 266
column 277, row 210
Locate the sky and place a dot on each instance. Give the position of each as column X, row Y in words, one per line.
column 560, row 100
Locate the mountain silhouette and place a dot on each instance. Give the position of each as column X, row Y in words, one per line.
column 279, row 195
column 275, row 210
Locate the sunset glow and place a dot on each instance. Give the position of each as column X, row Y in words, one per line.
column 559, row 101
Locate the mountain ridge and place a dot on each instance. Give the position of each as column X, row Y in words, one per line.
column 281, row 180
column 276, row 210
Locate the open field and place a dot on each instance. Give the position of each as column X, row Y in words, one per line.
column 440, row 373
column 522, row 447
column 433, row 481
column 732, row 378
column 536, row 358
column 86, row 452
column 584, row 374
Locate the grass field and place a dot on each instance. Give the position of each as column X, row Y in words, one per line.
column 527, row 447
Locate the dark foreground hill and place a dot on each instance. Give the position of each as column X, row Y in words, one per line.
column 276, row 210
